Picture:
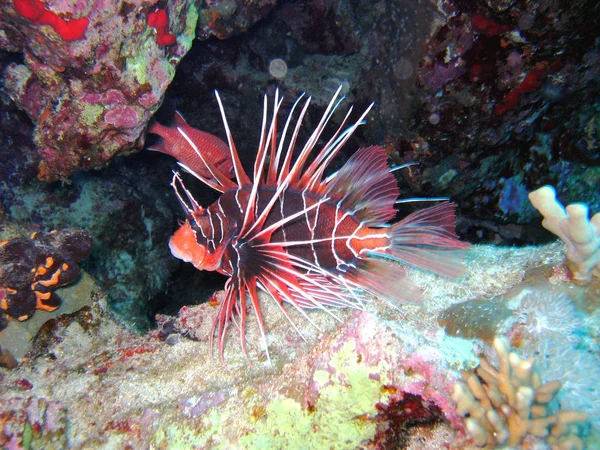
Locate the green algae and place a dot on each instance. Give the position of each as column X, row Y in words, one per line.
column 189, row 33
column 138, row 62
column 27, row 436
column 339, row 418
column 91, row 114
column 347, row 395
column 179, row 437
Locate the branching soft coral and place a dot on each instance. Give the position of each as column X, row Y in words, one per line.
column 509, row 405
column 572, row 225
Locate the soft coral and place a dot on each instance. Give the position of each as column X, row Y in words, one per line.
column 36, row 12
column 573, row 226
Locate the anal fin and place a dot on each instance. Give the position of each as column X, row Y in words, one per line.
column 387, row 280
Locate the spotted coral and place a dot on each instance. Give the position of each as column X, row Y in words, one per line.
column 32, row 269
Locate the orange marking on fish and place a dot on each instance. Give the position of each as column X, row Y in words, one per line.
column 49, row 262
column 43, row 296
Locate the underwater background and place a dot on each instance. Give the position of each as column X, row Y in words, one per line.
column 105, row 335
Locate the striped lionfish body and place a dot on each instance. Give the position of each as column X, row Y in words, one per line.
column 308, row 240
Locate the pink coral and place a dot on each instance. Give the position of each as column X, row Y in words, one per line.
column 122, row 116
column 92, row 91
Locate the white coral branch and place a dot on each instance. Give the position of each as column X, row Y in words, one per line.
column 572, row 226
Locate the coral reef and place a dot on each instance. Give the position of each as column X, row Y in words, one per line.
column 37, row 13
column 226, row 18
column 492, row 98
column 510, row 405
column 87, row 109
column 341, row 375
column 379, row 378
column 496, row 79
column 573, row 226
column 129, row 221
column 32, row 269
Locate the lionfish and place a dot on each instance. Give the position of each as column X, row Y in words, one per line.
column 307, row 239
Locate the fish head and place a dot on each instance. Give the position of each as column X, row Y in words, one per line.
column 185, row 246
column 190, row 246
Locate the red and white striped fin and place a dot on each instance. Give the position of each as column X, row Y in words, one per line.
column 176, row 183
column 284, row 171
column 224, row 315
column 293, row 176
column 268, row 286
column 296, row 171
column 387, row 280
column 271, row 136
column 275, row 159
column 240, row 173
column 286, row 288
column 233, row 304
column 426, row 239
column 366, row 186
column 315, row 286
column 314, row 175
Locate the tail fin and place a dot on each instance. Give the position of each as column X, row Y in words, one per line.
column 161, row 131
column 426, row 239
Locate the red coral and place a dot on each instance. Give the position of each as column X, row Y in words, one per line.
column 403, row 412
column 487, row 26
column 24, row 384
column 159, row 20
column 529, row 84
column 36, row 12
